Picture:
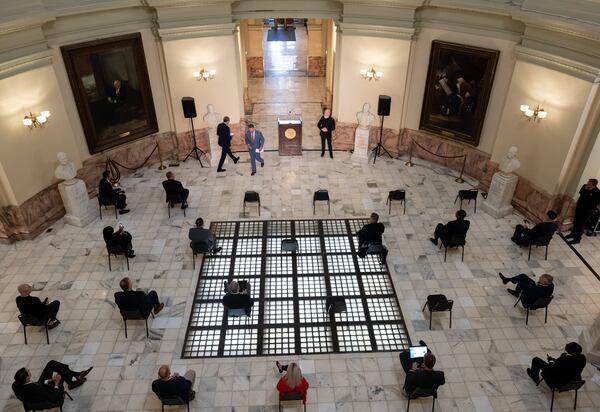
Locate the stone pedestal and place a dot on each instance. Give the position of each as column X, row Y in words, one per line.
column 361, row 145
column 80, row 209
column 590, row 340
column 215, row 149
column 500, row 195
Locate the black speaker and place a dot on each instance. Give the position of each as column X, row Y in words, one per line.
column 383, row 107
column 189, row 107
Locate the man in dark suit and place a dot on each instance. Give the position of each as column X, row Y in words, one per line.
column 524, row 236
column 458, row 227
column 371, row 233
column 108, row 195
column 169, row 384
column 50, row 385
column 589, row 199
column 558, row 372
column 174, row 186
column 255, row 142
column 200, row 235
column 528, row 289
column 121, row 238
column 423, row 377
column 130, row 299
column 225, row 136
column 31, row 305
column 238, row 299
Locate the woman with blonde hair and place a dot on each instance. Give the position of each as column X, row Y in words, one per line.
column 292, row 381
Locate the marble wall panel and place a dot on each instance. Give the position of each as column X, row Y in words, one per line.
column 316, row 66
column 255, row 67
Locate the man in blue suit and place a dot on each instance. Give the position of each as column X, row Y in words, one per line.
column 255, row 142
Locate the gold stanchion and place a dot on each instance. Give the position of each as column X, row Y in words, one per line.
column 459, row 179
column 410, row 150
column 162, row 166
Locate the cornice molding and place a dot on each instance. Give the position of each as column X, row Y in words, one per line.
column 197, row 31
column 353, row 29
column 551, row 61
column 26, row 63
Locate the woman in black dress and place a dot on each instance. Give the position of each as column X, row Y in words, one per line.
column 326, row 126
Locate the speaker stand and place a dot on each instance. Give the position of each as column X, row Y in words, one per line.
column 195, row 149
column 379, row 150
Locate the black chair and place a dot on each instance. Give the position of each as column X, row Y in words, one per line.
column 173, row 401
column 438, row 303
column 116, row 250
column 379, row 250
column 422, row 393
column 289, row 245
column 105, row 203
column 30, row 320
column 540, row 303
column 43, row 405
column 321, row 195
column 251, row 197
column 467, row 194
column 173, row 198
column 238, row 312
column 335, row 304
column 455, row 241
column 198, row 248
column 397, row 195
column 540, row 241
column 134, row 314
column 291, row 396
column 567, row 387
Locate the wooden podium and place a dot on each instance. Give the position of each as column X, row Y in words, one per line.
column 290, row 137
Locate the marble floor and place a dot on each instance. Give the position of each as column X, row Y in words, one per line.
column 484, row 355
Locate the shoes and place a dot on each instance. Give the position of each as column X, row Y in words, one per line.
column 252, row 174
column 262, row 164
column 236, row 160
column 192, row 395
column 131, row 254
column 534, row 378
column 217, row 249
column 221, row 170
column 569, row 236
column 432, row 240
column 123, row 211
column 161, row 306
column 513, row 292
column 279, row 366
column 76, row 383
column 172, row 205
column 504, row 278
column 85, row 372
column 45, row 301
column 331, row 156
column 52, row 324
column 322, row 154
column 574, row 241
column 422, row 343
column 184, row 205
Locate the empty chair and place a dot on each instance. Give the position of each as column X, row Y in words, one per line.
column 540, row 241
column 198, row 248
column 422, row 393
column 238, row 312
column 438, row 303
column 291, row 396
column 571, row 386
column 173, row 198
column 134, row 314
column 289, row 245
column 30, row 320
column 251, row 197
column 106, row 202
column 321, row 195
column 396, row 195
column 173, row 401
column 335, row 304
column 116, row 250
column 455, row 241
column 467, row 194
column 540, row 303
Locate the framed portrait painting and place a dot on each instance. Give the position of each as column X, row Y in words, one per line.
column 110, row 83
column 459, row 82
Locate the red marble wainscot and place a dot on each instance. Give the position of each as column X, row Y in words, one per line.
column 255, row 67
column 316, row 66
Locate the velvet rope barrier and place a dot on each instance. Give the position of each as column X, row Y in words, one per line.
column 113, row 166
column 459, row 179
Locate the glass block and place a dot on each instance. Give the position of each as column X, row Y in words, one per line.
column 202, row 343
column 279, row 287
column 354, row 338
column 311, row 286
column 337, row 244
column 391, row 337
column 357, row 224
column 251, row 229
column 309, row 245
column 278, row 228
column 355, row 312
column 334, row 227
column 279, row 265
column 377, row 284
column 313, row 311
column 223, row 229
column 249, row 246
column 279, row 311
column 207, row 314
column 247, row 266
column 279, row 341
column 306, row 227
column 309, row 264
column 340, row 264
column 316, row 339
column 240, row 342
column 344, row 285
column 384, row 309
column 370, row 264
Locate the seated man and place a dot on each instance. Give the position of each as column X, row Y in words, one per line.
column 121, row 238
column 31, row 305
column 243, row 287
column 237, row 299
column 174, row 186
column 458, row 227
column 50, row 386
column 524, row 236
column 130, row 299
column 423, row 377
column 169, row 384
column 109, row 195
column 558, row 372
column 371, row 233
column 407, row 363
column 200, row 235
column 528, row 289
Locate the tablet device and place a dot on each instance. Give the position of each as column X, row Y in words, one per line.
column 416, row 353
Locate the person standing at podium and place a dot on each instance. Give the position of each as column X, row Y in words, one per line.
column 326, row 126
column 255, row 142
column 225, row 136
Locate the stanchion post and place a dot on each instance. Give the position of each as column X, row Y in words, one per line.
column 459, row 179
column 410, row 150
column 162, row 166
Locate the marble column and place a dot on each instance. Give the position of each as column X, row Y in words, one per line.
column 500, row 195
column 254, row 49
column 79, row 207
column 361, row 145
column 316, row 60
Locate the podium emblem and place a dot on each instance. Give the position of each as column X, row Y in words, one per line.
column 290, row 133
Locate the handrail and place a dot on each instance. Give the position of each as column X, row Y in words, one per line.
column 409, row 163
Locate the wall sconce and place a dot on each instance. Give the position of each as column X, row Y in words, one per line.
column 371, row 74
column 31, row 120
column 537, row 113
column 204, row 74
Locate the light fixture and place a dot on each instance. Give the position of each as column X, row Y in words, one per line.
column 31, row 120
column 371, row 74
column 536, row 113
column 204, row 74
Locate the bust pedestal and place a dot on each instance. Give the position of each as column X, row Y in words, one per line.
column 215, row 149
column 500, row 195
column 361, row 145
column 79, row 207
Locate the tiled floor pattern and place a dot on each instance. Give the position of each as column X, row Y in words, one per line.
column 290, row 293
column 484, row 355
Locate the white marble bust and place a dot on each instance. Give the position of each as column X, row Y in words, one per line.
column 509, row 162
column 211, row 118
column 66, row 169
column 365, row 117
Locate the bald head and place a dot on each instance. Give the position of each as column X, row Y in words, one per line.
column 24, row 289
column 164, row 372
column 545, row 279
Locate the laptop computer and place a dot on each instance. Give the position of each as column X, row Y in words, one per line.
column 416, row 353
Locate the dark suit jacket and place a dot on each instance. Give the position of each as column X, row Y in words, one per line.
column 31, row 305
column 456, row 227
column 565, row 369
column 132, row 300
column 176, row 386
column 371, row 233
column 531, row 292
column 224, row 133
column 329, row 123
column 588, row 199
column 237, row 301
column 423, row 379
column 542, row 229
column 173, row 186
column 106, row 191
column 38, row 392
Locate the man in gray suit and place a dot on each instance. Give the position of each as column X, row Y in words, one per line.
column 255, row 142
column 200, row 235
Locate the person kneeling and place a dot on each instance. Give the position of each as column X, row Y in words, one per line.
column 169, row 384
column 31, row 305
column 129, row 299
column 558, row 372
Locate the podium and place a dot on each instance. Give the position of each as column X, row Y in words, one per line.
column 290, row 137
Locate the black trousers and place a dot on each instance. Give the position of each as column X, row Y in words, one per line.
column 225, row 151
column 51, row 310
column 63, row 370
column 538, row 365
column 120, row 200
column 326, row 138
column 581, row 217
column 521, row 281
column 440, row 233
column 521, row 236
column 152, row 302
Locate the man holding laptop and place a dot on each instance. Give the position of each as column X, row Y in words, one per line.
column 418, row 363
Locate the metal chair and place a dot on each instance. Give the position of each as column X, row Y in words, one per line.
column 116, row 250
column 321, row 195
column 198, row 248
column 567, row 387
column 237, row 313
column 173, row 401
column 134, row 314
column 30, row 320
column 289, row 245
column 379, row 250
column 336, row 304
column 540, row 241
column 540, row 303
column 467, row 194
column 173, row 198
column 105, row 203
column 291, row 396
column 422, row 393
column 438, row 303
column 397, row 195
column 455, row 241
column 251, row 197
